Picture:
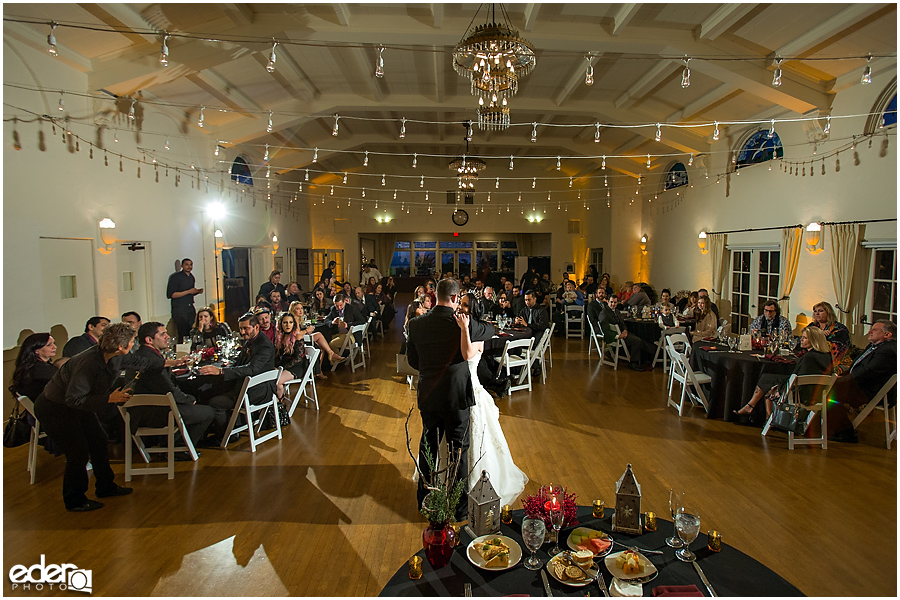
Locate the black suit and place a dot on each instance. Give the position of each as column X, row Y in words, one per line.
column 445, row 390
column 158, row 379
column 594, row 310
column 256, row 357
column 866, row 377
column 609, row 317
column 351, row 315
column 536, row 319
column 78, row 344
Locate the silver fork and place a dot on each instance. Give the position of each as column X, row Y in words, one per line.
column 467, row 590
column 636, row 549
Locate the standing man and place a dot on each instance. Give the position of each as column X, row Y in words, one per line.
column 181, row 291
column 328, row 273
column 445, row 390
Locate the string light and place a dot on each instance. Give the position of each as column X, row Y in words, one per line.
column 716, row 132
column 268, row 171
column 164, row 52
column 134, row 102
column 167, row 144
column 266, row 155
column 116, row 136
column 395, row 194
column 469, row 132
column 827, row 124
column 315, row 154
column 270, row 66
column 332, row 191
column 497, row 185
column 520, row 196
column 605, row 181
column 597, row 133
column 345, row 177
column 415, row 160
column 366, row 159
column 422, row 182
column 364, row 192
column 776, row 78
column 772, row 130
column 867, row 72
column 534, row 132
column 489, row 197
column 51, row 40
column 570, row 182
column 402, row 128
column 691, row 161
column 382, row 179
column 686, row 74
column 533, row 182
column 589, row 71
column 648, row 161
column 199, row 120
column 62, row 105
column 510, row 162
column 557, row 163
column 379, row 63
column 216, row 151
column 306, row 175
column 658, row 133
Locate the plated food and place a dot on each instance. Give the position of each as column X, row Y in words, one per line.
column 494, row 552
column 568, row 574
column 629, row 565
column 584, row 538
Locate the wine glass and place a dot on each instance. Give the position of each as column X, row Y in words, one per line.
column 687, row 525
column 556, row 519
column 676, row 501
column 533, row 532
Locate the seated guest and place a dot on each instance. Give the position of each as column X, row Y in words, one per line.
column 34, row 369
column 562, row 285
column 638, row 297
column 264, row 316
column 68, row 407
column 390, row 288
column 340, row 319
column 292, row 293
column 503, row 307
column 347, row 288
column 517, row 301
column 368, row 302
column 206, row 329
column 257, row 356
column 159, row 379
column 625, row 291
column 262, row 303
column 707, row 323
column 133, row 319
column 296, row 310
column 595, row 309
column 691, row 308
column 431, row 293
column 533, row 282
column 274, row 283
column 701, row 293
column 93, row 329
column 608, row 317
column 606, row 282
column 275, row 300
column 837, row 335
column 570, row 297
column 387, row 315
column 667, row 316
column 546, row 284
column 533, row 316
column 488, row 301
column 321, row 304
column 816, row 360
column 289, row 352
column 866, row 376
column 771, row 322
column 479, row 287
column 665, row 296
column 588, row 287
column 370, row 285
column 426, row 299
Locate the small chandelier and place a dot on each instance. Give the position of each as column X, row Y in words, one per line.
column 467, row 167
column 493, row 57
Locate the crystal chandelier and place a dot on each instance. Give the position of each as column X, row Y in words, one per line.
column 493, row 57
column 467, row 167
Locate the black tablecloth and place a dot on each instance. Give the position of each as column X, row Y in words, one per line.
column 509, row 335
column 731, row 573
column 646, row 329
column 734, row 376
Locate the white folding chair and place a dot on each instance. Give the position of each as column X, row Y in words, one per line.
column 509, row 361
column 353, row 348
column 792, row 395
column 404, row 368
column 367, row 343
column 690, row 383
column 36, row 435
column 245, row 407
column 614, row 348
column 174, row 422
column 573, row 321
column 677, row 343
column 308, row 379
column 662, row 355
column 596, row 340
column 542, row 353
column 879, row 401
column 379, row 324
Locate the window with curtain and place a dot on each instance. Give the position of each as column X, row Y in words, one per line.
column 883, row 293
column 754, row 279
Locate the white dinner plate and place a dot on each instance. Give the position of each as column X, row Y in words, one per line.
column 649, row 573
column 583, row 530
column 593, row 572
column 515, row 552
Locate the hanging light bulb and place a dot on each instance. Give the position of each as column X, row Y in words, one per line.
column 269, row 125
column 415, row 160
column 62, row 105
column 776, row 77
column 589, row 71
column 316, row 154
column 270, row 66
column 266, row 155
column 306, row 175
column 686, row 74
column 497, row 185
column 691, row 161
column 469, row 133
column 164, row 52
column 534, row 132
column 300, row 187
column 366, row 159
column 520, row 196
column 402, row 128
column 199, row 120
column 345, row 177
column 603, row 164
column 422, row 182
column 167, row 144
column 216, row 151
column 658, row 133
column 605, row 181
column 51, row 40
column 379, row 63
column 510, row 162
column 134, row 101
column 716, row 132
column 382, row 179
column 597, row 133
column 827, row 124
column 867, row 72
column 533, row 182
column 426, row 195
column 772, row 130
column 364, row 193
column 557, row 163
column 332, row 191
column 570, row 182
column 116, row 136
column 648, row 161
column 489, row 197
column 268, row 171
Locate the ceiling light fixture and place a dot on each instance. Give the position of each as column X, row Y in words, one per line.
column 466, row 167
column 776, row 78
column 402, row 128
column 269, row 126
column 199, row 120
column 164, row 52
column 589, row 71
column 51, row 40
column 686, row 74
column 867, row 72
column 270, row 66
column 379, row 63
column 334, row 130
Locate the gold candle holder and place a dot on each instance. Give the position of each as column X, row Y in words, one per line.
column 506, row 514
column 715, row 541
column 456, row 528
column 599, row 507
column 415, row 567
column 650, row 521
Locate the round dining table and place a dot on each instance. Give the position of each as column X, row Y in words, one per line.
column 733, row 375
column 730, row 572
column 510, row 334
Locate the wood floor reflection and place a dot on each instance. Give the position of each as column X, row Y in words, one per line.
column 329, row 510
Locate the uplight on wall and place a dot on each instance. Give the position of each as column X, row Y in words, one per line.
column 814, row 238
column 535, row 218
column 644, row 244
column 274, row 243
column 107, row 235
column 383, row 219
column 701, row 241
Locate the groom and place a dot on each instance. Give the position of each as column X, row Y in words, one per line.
column 445, row 390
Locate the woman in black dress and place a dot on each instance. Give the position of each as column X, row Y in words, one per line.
column 289, row 351
column 390, row 288
column 206, row 330
column 34, row 368
column 321, row 304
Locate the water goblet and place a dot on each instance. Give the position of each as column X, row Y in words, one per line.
column 687, row 525
column 556, row 519
column 676, row 501
column 533, row 532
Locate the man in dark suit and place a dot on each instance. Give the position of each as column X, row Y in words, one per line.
column 257, row 356
column 608, row 317
column 595, row 308
column 93, row 329
column 342, row 316
column 445, row 390
column 867, row 376
column 533, row 316
column 159, row 379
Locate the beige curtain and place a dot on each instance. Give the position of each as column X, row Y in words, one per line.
column 523, row 244
column 717, row 254
column 791, row 245
column 844, row 242
column 384, row 252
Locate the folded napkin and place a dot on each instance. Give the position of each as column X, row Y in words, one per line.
column 780, row 359
column 625, row 589
column 677, row 590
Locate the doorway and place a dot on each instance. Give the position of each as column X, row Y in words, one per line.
column 321, row 258
column 236, row 273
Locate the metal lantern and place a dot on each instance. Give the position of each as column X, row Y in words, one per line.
column 484, row 507
column 628, row 504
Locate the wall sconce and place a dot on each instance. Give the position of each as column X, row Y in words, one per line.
column 644, row 244
column 701, row 241
column 535, row 218
column 814, row 238
column 107, row 235
column 220, row 241
column 274, row 244
column 383, row 219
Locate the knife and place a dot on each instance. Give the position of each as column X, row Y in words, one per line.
column 703, row 578
column 602, row 584
column 546, row 583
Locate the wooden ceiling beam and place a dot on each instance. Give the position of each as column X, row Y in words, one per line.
column 722, row 19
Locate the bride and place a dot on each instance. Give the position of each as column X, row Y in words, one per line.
column 488, row 450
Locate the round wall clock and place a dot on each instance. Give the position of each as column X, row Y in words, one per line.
column 460, row 217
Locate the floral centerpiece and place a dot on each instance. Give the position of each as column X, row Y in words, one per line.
column 535, row 505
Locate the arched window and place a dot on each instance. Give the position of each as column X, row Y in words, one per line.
column 884, row 111
column 240, row 171
column 889, row 116
column 676, row 176
column 758, row 148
